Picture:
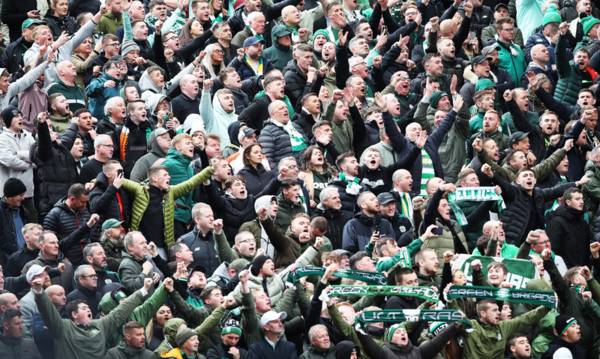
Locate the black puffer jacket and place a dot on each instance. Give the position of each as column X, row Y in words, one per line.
column 358, row 231
column 103, row 200
column 275, row 142
column 233, row 211
column 56, row 170
column 203, row 249
column 336, row 219
column 520, row 207
column 256, row 178
column 70, row 228
column 570, row 236
column 91, row 297
column 59, row 24
column 296, row 85
column 8, row 233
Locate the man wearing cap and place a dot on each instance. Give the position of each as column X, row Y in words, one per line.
column 566, row 343
column 230, row 337
column 272, row 346
column 12, row 218
column 547, row 35
column 158, row 144
column 488, row 34
column 112, row 242
column 401, row 225
column 27, row 303
column 252, row 62
column 12, row 58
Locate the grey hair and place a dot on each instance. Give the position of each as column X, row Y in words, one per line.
column 80, row 271
column 101, row 140
column 327, row 192
column 398, row 173
column 272, row 105
column 129, row 238
column 282, row 161
column 253, row 16
column 199, row 208
column 110, row 103
column 89, row 249
column 312, row 332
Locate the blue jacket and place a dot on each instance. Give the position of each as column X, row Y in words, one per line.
column 263, row 350
column 98, row 94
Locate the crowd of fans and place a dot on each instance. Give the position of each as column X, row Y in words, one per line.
column 260, row 179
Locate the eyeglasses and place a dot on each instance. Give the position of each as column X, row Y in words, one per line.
column 93, row 276
column 512, row 29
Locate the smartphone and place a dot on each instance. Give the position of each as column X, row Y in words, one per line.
column 437, row 231
column 120, row 172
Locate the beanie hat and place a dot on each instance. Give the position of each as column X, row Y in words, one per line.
column 8, row 114
column 588, row 22
column 110, row 300
column 551, row 16
column 257, row 264
column 390, row 333
column 563, row 322
column 171, row 327
column 183, row 334
column 239, row 264
column 14, row 187
column 231, row 330
column 484, row 84
column 129, row 46
column 436, row 97
column 322, row 32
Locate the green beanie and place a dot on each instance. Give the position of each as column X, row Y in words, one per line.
column 110, row 301
column 436, row 97
column 484, row 84
column 551, row 16
column 390, row 333
column 231, row 330
column 587, row 23
column 321, row 32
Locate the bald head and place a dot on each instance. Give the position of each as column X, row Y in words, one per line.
column 540, row 54
column 8, row 301
column 66, row 72
column 189, row 85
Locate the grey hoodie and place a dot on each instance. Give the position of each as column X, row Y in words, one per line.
column 139, row 172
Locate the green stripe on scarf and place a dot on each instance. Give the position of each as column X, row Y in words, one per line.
column 423, row 293
column 367, row 277
column 477, row 194
column 523, row 296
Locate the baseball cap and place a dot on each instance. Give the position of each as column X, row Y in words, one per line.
column 111, row 223
column 160, row 131
column 516, row 137
column 252, row 40
column 34, row 271
column 245, row 132
column 270, row 316
column 499, row 5
column 479, row 59
column 385, row 198
column 486, row 51
column 30, row 22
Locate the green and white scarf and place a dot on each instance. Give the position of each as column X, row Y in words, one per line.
column 296, row 138
column 523, row 296
column 367, row 277
column 428, row 171
column 352, row 183
column 410, row 315
column 477, row 194
column 423, row 293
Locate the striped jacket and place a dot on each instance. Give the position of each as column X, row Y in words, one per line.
column 141, row 199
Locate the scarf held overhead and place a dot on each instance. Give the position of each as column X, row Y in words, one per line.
column 523, row 296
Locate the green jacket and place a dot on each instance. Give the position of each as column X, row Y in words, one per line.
column 74, row 342
column 109, row 23
column 591, row 190
column 541, row 170
column 286, row 211
column 346, row 329
column 141, row 199
column 180, row 171
column 343, row 135
column 253, row 227
column 445, row 241
column 498, row 136
column 569, row 75
column 452, row 150
column 130, row 273
column 278, row 55
column 515, row 64
column 205, row 317
column 226, row 253
column 489, row 341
